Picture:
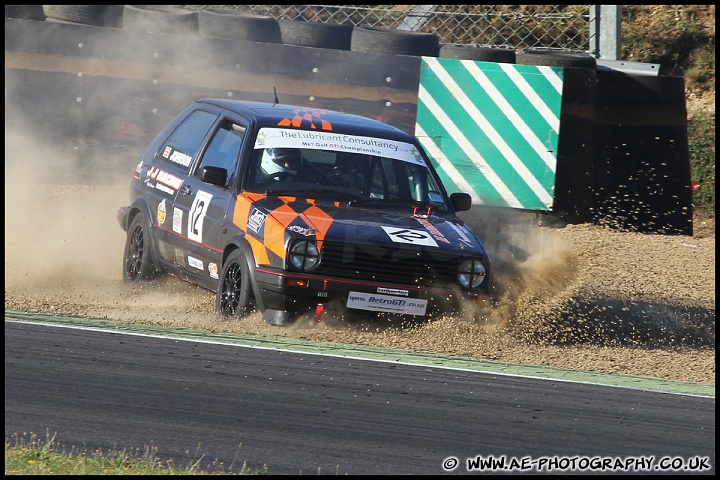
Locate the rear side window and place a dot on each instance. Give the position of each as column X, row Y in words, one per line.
column 185, row 141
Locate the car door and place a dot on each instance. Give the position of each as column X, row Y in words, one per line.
column 168, row 172
column 204, row 204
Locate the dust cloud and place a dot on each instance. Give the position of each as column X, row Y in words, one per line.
column 62, row 237
column 58, row 235
column 571, row 296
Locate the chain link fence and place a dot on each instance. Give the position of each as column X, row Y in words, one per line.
column 518, row 27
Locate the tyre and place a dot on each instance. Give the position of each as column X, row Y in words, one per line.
column 98, row 15
column 215, row 22
column 555, row 58
column 315, row 34
column 137, row 258
column 234, row 293
column 484, row 54
column 401, row 42
column 160, row 19
column 25, row 12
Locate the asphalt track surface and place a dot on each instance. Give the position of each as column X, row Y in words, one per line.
column 308, row 407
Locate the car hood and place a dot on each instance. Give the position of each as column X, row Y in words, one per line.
column 339, row 222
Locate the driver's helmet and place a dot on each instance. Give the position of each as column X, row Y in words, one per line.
column 276, row 160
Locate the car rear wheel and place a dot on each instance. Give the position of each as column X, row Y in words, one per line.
column 234, row 297
column 137, row 259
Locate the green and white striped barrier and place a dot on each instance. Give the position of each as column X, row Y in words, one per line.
column 491, row 129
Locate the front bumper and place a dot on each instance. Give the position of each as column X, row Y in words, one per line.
column 294, row 293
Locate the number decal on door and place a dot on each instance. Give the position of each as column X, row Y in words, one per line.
column 197, row 215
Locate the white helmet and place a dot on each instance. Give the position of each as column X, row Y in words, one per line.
column 275, row 160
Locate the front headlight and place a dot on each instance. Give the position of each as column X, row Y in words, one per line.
column 304, row 256
column 471, row 273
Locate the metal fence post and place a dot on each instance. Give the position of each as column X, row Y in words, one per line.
column 605, row 33
column 417, row 17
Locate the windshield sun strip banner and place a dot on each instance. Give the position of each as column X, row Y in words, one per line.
column 293, row 138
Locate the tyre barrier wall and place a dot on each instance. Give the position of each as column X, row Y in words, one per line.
column 118, row 86
column 316, row 34
column 98, row 15
column 159, row 19
column 113, row 89
column 26, row 12
column 223, row 23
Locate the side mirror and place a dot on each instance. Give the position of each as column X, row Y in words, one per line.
column 213, row 175
column 461, row 202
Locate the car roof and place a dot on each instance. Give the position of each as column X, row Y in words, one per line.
column 270, row 114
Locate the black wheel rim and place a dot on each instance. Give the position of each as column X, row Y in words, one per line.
column 136, row 251
column 231, row 288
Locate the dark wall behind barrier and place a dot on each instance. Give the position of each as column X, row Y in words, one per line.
column 103, row 93
column 642, row 161
column 574, row 197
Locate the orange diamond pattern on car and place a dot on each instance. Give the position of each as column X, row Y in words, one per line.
column 275, row 224
column 241, row 216
column 309, row 116
column 320, row 221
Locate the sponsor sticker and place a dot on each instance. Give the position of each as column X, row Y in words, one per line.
column 161, row 212
column 432, row 229
column 213, row 269
column 166, row 182
column 195, row 263
column 392, row 291
column 180, row 158
column 169, row 179
column 179, row 258
column 386, row 303
column 163, row 188
column 177, row 220
column 462, row 233
column 256, row 220
column 301, row 230
column 166, row 153
column 324, row 140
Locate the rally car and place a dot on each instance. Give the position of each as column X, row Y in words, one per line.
column 289, row 209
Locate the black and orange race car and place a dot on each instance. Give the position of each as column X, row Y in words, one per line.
column 290, row 210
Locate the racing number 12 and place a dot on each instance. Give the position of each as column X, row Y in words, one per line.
column 197, row 215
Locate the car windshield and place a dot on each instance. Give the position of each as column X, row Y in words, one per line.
column 362, row 170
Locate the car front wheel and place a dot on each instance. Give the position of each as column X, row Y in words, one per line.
column 137, row 259
column 234, row 297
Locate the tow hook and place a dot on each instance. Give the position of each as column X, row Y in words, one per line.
column 319, row 311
